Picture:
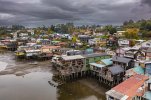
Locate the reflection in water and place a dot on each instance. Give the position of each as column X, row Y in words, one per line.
column 35, row 86
column 78, row 91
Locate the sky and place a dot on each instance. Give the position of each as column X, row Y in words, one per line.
column 81, row 12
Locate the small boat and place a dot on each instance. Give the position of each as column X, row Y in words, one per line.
column 52, row 84
column 33, row 63
column 55, row 84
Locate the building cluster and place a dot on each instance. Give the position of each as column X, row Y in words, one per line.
column 112, row 61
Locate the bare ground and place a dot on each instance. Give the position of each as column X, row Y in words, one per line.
column 26, row 68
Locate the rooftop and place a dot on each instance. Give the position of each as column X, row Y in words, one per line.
column 50, row 47
column 116, row 69
column 147, row 95
column 107, row 61
column 116, row 95
column 95, row 55
column 129, row 89
column 148, row 50
column 138, row 70
column 97, row 65
column 72, row 57
column 121, row 59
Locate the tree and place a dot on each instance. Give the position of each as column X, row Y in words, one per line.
column 132, row 43
column 132, row 33
column 125, row 23
column 17, row 27
column 52, row 27
column 49, row 31
column 131, row 21
column 74, row 39
column 110, row 29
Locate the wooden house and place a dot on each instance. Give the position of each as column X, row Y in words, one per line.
column 48, row 49
column 62, row 44
column 84, row 38
column 107, row 72
column 123, row 43
column 135, row 54
column 147, row 53
column 94, row 57
column 70, row 64
column 130, row 89
column 112, row 41
column 114, row 74
column 98, row 68
column 79, row 63
column 32, row 53
column 126, row 63
column 147, row 94
column 61, row 51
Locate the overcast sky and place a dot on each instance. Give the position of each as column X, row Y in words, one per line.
column 47, row 12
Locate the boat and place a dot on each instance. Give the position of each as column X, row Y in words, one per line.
column 33, row 63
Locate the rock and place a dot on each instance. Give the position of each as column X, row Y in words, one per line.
column 20, row 73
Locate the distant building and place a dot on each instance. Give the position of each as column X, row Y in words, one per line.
column 123, row 43
column 120, row 33
column 84, row 38
column 146, row 44
column 112, row 41
column 95, row 41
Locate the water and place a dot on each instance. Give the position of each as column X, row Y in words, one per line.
column 35, row 86
column 3, row 65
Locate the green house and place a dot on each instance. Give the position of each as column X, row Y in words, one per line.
column 95, row 57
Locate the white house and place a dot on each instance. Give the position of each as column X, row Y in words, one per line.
column 123, row 43
column 120, row 33
column 146, row 44
column 94, row 41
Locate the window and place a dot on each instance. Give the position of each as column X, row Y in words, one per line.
column 111, row 98
column 149, row 86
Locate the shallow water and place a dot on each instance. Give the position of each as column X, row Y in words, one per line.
column 35, row 86
column 3, row 65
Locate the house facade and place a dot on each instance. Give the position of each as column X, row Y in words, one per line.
column 130, row 89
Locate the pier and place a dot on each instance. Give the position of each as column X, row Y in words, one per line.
column 88, row 74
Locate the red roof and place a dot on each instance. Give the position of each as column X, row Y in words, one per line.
column 50, row 47
column 130, row 86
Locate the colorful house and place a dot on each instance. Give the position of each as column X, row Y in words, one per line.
column 147, row 94
column 78, row 63
column 126, row 63
column 123, row 43
column 48, row 49
column 95, row 57
column 130, row 89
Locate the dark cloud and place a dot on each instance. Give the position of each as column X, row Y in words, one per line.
column 41, row 12
column 147, row 2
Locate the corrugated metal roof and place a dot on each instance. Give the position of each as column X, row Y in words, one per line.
column 97, row 65
column 115, row 94
column 116, row 69
column 72, row 57
column 95, row 55
column 130, row 86
column 107, row 61
column 49, row 47
column 138, row 70
column 121, row 59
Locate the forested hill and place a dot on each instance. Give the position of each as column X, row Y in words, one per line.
column 144, row 26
